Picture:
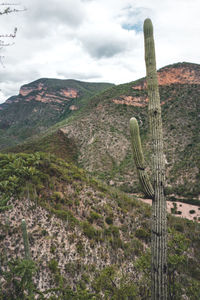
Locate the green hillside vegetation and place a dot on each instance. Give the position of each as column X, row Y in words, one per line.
column 99, row 131
column 102, row 136
column 23, row 119
column 70, row 176
column 87, row 240
column 56, row 143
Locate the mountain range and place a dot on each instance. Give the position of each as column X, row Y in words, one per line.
column 93, row 120
column 41, row 104
column 66, row 168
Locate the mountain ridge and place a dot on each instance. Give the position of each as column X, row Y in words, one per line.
column 87, row 238
column 37, row 107
column 100, row 134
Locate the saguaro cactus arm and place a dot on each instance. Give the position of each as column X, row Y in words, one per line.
column 139, row 159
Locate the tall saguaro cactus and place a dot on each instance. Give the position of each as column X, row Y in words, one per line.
column 156, row 193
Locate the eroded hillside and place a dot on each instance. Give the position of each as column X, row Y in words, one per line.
column 87, row 240
column 102, row 131
column 98, row 132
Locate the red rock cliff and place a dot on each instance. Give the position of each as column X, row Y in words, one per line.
column 179, row 74
column 42, row 94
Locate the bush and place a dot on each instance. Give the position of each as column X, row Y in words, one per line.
column 109, row 220
column 90, row 231
column 142, row 234
column 53, row 265
column 94, row 216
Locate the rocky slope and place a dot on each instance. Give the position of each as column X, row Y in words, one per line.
column 102, row 131
column 99, row 131
column 87, row 240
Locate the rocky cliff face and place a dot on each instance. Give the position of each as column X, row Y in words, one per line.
column 40, row 92
column 182, row 73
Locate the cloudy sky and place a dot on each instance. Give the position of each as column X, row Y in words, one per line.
column 94, row 40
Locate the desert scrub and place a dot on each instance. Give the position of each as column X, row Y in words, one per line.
column 109, row 220
column 57, row 197
column 143, row 234
column 91, row 232
column 133, row 248
column 53, row 265
column 65, row 215
column 94, row 217
column 80, row 248
column 112, row 231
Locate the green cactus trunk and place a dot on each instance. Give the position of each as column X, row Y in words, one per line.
column 25, row 239
column 159, row 216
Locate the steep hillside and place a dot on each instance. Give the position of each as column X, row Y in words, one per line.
column 41, row 104
column 87, row 240
column 101, row 132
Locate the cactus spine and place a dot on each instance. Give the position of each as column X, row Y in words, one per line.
column 25, row 239
column 159, row 217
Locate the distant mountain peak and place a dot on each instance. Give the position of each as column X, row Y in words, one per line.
column 51, row 90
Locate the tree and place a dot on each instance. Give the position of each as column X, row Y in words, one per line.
column 155, row 191
column 5, row 9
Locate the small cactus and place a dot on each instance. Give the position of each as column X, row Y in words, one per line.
column 25, row 239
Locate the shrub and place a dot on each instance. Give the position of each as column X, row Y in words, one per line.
column 94, row 216
column 109, row 220
column 90, row 231
column 142, row 234
column 53, row 265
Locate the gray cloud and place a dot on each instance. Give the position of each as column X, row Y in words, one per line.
column 97, row 40
column 80, row 75
column 69, row 12
column 12, row 81
column 103, row 44
column 43, row 20
column 101, row 49
column 18, row 76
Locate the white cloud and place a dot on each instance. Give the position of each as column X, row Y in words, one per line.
column 95, row 40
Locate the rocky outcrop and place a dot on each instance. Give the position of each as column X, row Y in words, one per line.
column 41, row 93
column 140, row 101
column 180, row 73
column 73, row 107
column 27, row 89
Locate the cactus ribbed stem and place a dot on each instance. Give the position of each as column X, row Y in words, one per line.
column 139, row 159
column 25, row 239
column 159, row 217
